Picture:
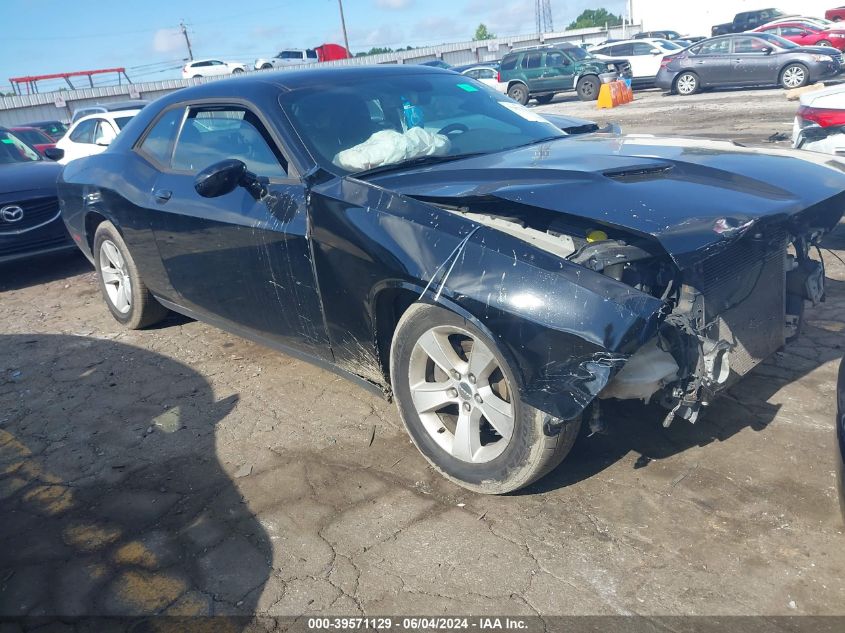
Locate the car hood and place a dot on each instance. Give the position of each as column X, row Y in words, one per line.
column 693, row 196
column 16, row 177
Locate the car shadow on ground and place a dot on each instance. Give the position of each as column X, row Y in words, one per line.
column 112, row 503
column 42, row 269
column 636, row 427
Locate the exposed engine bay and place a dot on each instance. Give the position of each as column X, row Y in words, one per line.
column 720, row 317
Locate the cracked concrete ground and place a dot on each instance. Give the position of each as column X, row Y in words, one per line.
column 183, row 470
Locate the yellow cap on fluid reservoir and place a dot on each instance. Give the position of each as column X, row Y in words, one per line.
column 596, row 236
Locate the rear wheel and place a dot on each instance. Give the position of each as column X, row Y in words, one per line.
column 544, row 99
column 237, row 71
column 687, row 84
column 459, row 399
column 128, row 299
column 588, row 88
column 266, row 66
column 794, row 76
column 824, row 43
column 519, row 93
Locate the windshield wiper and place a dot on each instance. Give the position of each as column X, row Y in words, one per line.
column 413, row 162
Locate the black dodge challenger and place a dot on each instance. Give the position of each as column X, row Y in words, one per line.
column 432, row 239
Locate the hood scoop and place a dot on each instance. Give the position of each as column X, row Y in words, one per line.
column 639, row 173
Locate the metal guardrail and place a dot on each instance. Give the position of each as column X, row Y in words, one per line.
column 60, row 105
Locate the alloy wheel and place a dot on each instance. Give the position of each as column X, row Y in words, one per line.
column 115, row 275
column 461, row 395
column 793, row 77
column 687, row 84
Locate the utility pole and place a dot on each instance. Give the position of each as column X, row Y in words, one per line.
column 187, row 40
column 543, row 16
column 343, row 25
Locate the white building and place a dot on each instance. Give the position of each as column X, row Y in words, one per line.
column 695, row 17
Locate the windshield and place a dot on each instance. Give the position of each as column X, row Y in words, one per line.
column 14, row 150
column 777, row 40
column 54, row 130
column 353, row 125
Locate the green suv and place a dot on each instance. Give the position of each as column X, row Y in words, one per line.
column 542, row 71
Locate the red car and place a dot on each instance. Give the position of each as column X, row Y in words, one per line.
column 836, row 14
column 806, row 34
column 34, row 137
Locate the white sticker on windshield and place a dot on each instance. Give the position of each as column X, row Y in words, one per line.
column 524, row 112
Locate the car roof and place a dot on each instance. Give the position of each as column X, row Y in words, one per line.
column 479, row 67
column 111, row 116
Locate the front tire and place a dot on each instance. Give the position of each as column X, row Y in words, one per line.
column 459, row 400
column 794, row 76
column 128, row 299
column 519, row 93
column 687, row 84
column 266, row 66
column 588, row 88
column 237, row 71
column 824, row 43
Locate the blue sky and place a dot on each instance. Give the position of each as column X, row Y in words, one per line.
column 48, row 36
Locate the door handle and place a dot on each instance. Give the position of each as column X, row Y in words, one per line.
column 162, row 195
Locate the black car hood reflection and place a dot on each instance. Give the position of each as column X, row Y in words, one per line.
column 16, row 177
column 691, row 195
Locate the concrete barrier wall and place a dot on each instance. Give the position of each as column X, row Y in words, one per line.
column 60, row 105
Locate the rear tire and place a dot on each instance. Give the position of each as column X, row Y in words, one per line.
column 507, row 451
column 544, row 99
column 519, row 93
column 588, row 88
column 824, row 43
column 687, row 84
column 128, row 299
column 237, row 71
column 794, row 76
column 266, row 66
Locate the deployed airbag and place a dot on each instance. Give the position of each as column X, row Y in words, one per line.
column 388, row 146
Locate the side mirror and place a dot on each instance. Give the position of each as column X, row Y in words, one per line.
column 566, row 61
column 104, row 142
column 223, row 177
column 655, row 51
column 766, row 50
column 54, row 153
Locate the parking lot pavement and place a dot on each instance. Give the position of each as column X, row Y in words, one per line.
column 183, row 470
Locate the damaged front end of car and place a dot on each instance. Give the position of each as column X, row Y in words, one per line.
column 696, row 323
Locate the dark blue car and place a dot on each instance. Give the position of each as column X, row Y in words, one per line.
column 434, row 240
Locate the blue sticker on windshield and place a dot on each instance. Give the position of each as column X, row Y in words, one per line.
column 468, row 87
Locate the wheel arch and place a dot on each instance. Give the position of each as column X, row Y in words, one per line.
column 513, row 82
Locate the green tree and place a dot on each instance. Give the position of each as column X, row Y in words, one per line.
column 375, row 50
column 595, row 17
column 481, row 33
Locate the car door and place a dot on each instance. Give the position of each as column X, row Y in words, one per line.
column 712, row 62
column 558, row 73
column 753, row 63
column 532, row 70
column 645, row 62
column 234, row 258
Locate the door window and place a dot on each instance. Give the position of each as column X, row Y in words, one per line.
column 84, row 132
column 715, row 47
column 158, row 143
column 555, row 60
column 641, row 48
column 104, row 133
column 532, row 60
column 622, row 50
column 791, row 31
column 749, row 45
column 212, row 134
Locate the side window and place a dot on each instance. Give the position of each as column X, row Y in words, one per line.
column 554, row 60
column 791, row 31
column 716, row 47
column 104, row 133
column 532, row 60
column 748, row 45
column 312, row 54
column 158, row 143
column 641, row 48
column 473, row 73
column 623, row 50
column 509, row 63
column 486, row 73
column 84, row 132
column 212, row 134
